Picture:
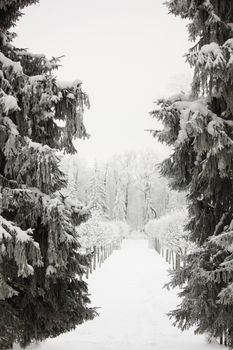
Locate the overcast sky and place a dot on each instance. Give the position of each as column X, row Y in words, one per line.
column 127, row 53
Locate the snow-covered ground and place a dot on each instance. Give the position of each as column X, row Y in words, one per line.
column 128, row 287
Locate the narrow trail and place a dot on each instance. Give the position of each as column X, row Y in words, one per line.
column 128, row 287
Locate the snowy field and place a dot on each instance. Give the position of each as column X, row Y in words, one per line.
column 128, row 287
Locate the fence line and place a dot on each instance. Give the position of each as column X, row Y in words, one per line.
column 100, row 254
column 173, row 258
column 176, row 261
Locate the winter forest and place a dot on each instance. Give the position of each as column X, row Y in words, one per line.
column 116, row 192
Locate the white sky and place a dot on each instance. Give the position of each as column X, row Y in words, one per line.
column 127, row 53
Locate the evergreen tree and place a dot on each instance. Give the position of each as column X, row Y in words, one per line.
column 145, row 176
column 119, row 208
column 148, row 209
column 41, row 289
column 200, row 130
column 97, row 192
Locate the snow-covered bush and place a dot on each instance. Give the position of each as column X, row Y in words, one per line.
column 123, row 228
column 169, row 229
column 97, row 231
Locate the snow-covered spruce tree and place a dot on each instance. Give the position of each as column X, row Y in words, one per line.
column 41, row 289
column 97, row 192
column 119, row 208
column 200, row 130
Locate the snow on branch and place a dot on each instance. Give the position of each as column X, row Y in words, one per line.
column 8, row 103
column 189, row 120
column 41, row 59
column 6, row 291
column 36, row 166
column 26, row 252
column 68, row 85
column 7, row 63
column 55, row 219
column 44, row 96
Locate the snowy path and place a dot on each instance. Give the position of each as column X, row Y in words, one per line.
column 132, row 317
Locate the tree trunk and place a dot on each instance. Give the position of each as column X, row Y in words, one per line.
column 173, row 261
column 91, row 269
column 221, row 340
column 98, row 255
column 177, row 261
column 169, row 257
column 94, row 259
column 126, row 200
